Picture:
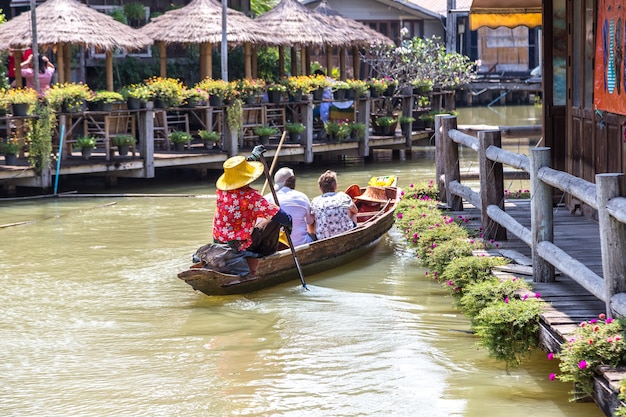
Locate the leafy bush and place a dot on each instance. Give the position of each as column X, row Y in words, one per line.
column 178, row 136
column 478, row 295
column 509, row 329
column 469, row 270
column 123, row 140
column 85, row 142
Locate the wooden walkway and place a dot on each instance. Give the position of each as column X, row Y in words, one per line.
column 568, row 302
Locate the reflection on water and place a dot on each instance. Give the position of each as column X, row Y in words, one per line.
column 95, row 323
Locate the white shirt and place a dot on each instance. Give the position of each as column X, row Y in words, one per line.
column 297, row 205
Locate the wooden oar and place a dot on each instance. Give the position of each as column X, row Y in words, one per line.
column 271, row 171
column 268, row 177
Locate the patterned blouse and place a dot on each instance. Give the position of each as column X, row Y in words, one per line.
column 237, row 213
column 332, row 215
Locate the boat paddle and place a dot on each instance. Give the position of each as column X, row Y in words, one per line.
column 268, row 177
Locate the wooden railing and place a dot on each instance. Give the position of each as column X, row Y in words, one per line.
column 602, row 196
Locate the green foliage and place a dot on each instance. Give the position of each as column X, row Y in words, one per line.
column 234, row 116
column 267, row 61
column 294, row 127
column 134, row 11
column 119, row 16
column 478, row 295
column 10, row 147
column 209, row 136
column 85, row 142
column 468, row 270
column 265, row 131
column 595, row 343
column 509, row 330
column 259, row 7
column 178, row 136
column 104, row 96
column 40, row 138
column 123, row 140
column 447, row 252
column 385, row 120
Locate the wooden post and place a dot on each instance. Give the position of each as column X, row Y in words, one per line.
column 206, row 60
column 356, row 63
column 163, row 58
column 17, row 56
column 60, row 62
column 329, row 61
column 491, row 184
column 308, row 133
column 255, row 63
column 303, row 53
column 342, row 63
column 281, row 61
column 306, row 69
column 145, row 122
column 542, row 225
column 68, row 64
column 247, row 59
column 294, row 61
column 451, row 169
column 612, row 244
column 364, row 108
column 407, row 110
column 109, row 69
column 439, row 175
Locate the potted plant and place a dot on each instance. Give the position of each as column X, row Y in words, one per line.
column 264, row 133
column 85, row 144
column 387, row 124
column 103, row 100
column 275, row 92
column 331, row 128
column 359, row 87
column 68, row 97
column 343, row 131
column 340, row 89
column 136, row 96
column 294, row 130
column 10, row 149
column 167, row 92
column 317, row 84
column 249, row 89
column 421, row 86
column 357, row 131
column 195, row 97
column 179, row 138
column 377, row 86
column 216, row 89
column 210, row 138
column 296, row 86
column 21, row 100
column 406, row 124
column 123, row 143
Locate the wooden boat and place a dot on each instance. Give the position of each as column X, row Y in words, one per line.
column 376, row 216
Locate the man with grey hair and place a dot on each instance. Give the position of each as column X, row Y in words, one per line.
column 295, row 203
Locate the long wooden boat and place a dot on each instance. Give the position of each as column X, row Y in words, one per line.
column 375, row 218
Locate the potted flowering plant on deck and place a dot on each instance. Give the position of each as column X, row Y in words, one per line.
column 275, row 92
column 217, row 90
column 296, row 86
column 210, row 138
column 68, row 97
column 294, row 130
column 123, row 143
column 179, row 138
column 102, row 100
column 85, row 144
column 264, row 133
column 20, row 100
column 249, row 89
column 136, row 95
column 167, row 92
column 195, row 97
column 10, row 149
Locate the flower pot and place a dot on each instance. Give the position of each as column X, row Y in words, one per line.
column 390, row 90
column 274, row 96
column 294, row 137
column 339, row 94
column 318, row 94
column 264, row 140
column 73, row 106
column 159, row 103
column 192, row 102
column 350, row 94
column 133, row 103
column 249, row 99
column 19, row 109
column 86, row 152
column 216, row 101
column 10, row 159
column 179, row 146
column 374, row 93
column 122, row 150
column 295, row 96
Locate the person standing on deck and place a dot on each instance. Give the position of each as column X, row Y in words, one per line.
column 240, row 207
column 46, row 71
column 295, row 203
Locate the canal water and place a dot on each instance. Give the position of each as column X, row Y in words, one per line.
column 94, row 321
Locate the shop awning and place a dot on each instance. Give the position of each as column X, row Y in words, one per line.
column 494, row 14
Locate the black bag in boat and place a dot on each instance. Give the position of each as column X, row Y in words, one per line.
column 223, row 258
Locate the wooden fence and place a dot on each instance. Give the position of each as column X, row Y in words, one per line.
column 603, row 196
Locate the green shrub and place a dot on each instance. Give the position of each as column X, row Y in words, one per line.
column 469, row 270
column 448, row 251
column 178, row 136
column 478, row 295
column 509, row 330
column 595, row 342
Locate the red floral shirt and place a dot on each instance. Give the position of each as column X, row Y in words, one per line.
column 237, row 213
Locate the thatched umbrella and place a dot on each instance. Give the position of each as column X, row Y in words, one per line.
column 359, row 35
column 298, row 26
column 201, row 22
column 63, row 22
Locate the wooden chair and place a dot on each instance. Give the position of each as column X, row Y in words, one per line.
column 252, row 116
column 106, row 126
column 166, row 122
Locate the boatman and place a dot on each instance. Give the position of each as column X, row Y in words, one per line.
column 240, row 207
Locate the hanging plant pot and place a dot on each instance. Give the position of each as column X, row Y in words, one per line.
column 19, row 109
column 10, row 159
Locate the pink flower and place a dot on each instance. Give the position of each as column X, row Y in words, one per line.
column 590, row 341
column 506, row 300
column 537, row 295
column 525, row 297
column 592, row 321
column 411, row 185
column 399, row 215
column 552, row 377
column 550, row 356
column 602, row 316
column 582, row 364
column 582, row 324
column 609, row 320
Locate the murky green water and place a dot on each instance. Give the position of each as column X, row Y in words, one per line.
column 94, row 322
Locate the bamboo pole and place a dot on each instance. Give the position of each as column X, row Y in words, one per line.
column 61, row 62
column 109, row 69
column 163, row 58
column 247, row 60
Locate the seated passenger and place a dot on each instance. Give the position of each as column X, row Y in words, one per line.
column 334, row 211
column 295, row 203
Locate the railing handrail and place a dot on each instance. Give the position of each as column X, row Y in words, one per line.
column 602, row 196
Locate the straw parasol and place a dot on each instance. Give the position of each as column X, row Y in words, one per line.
column 201, row 22
column 298, row 26
column 359, row 35
column 62, row 22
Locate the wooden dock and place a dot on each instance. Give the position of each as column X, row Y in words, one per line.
column 568, row 303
